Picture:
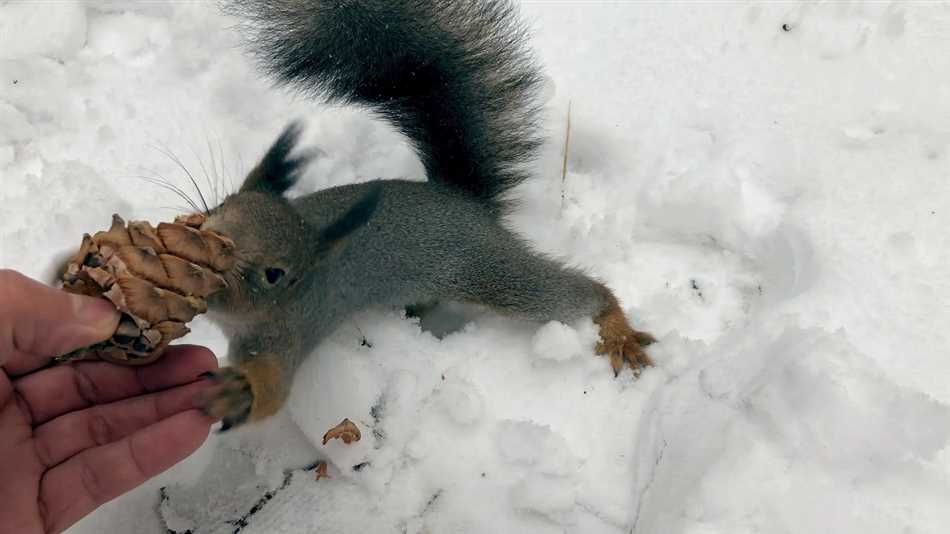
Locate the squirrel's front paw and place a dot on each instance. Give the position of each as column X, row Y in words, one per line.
column 622, row 343
column 250, row 391
column 232, row 398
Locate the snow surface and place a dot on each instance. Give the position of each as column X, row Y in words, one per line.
column 772, row 203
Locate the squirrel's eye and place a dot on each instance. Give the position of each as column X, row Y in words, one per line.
column 273, row 274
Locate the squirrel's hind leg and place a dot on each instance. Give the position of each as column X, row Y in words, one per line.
column 520, row 283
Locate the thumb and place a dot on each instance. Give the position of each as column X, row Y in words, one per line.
column 38, row 322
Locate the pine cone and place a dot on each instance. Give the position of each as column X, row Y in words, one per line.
column 157, row 277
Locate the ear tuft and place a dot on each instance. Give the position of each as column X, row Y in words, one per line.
column 277, row 172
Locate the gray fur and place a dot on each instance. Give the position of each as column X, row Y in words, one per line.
column 425, row 242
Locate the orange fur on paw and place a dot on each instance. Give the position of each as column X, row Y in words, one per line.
column 620, row 342
column 265, row 374
column 251, row 391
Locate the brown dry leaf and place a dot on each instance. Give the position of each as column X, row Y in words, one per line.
column 158, row 278
column 346, row 430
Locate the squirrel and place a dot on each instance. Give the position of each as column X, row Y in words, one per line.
column 457, row 79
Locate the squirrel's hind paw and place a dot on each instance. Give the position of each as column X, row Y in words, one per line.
column 622, row 343
column 629, row 350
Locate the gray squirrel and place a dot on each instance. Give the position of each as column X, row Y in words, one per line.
column 455, row 77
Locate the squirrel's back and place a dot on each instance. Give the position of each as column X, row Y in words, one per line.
column 454, row 76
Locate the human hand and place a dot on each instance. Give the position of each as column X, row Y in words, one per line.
column 75, row 436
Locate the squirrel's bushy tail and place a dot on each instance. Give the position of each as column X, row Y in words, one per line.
column 452, row 75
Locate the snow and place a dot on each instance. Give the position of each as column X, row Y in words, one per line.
column 770, row 203
column 54, row 30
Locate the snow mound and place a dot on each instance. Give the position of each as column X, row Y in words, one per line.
column 793, row 432
column 53, row 30
column 558, row 342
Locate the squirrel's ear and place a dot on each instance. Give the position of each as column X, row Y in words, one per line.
column 277, row 171
column 336, row 233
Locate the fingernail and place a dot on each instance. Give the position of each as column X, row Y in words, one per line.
column 95, row 313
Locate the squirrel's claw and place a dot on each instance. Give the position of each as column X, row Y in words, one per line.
column 628, row 350
column 621, row 342
column 230, row 400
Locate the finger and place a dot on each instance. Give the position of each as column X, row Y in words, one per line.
column 67, row 435
column 38, row 322
column 93, row 477
column 65, row 388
